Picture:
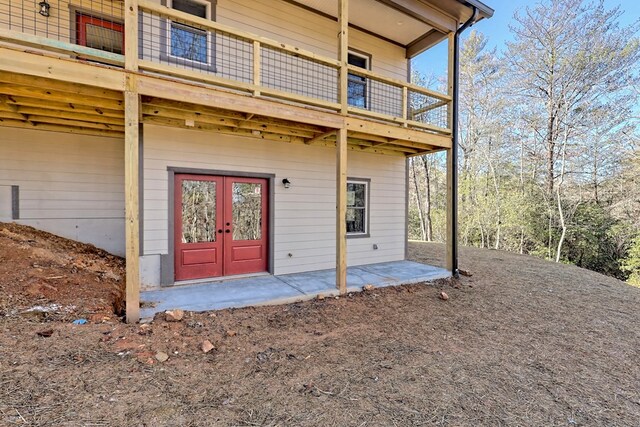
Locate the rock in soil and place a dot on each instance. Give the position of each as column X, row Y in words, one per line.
column 46, row 333
column 231, row 333
column 173, row 315
column 444, row 296
column 161, row 356
column 206, row 346
column 368, row 287
column 466, row 273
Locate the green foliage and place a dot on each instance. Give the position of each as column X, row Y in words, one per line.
column 591, row 240
column 631, row 263
column 549, row 141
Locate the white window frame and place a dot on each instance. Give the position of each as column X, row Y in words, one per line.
column 367, row 66
column 366, row 208
column 209, row 62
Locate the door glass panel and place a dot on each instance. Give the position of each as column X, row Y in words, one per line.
column 247, row 211
column 198, row 211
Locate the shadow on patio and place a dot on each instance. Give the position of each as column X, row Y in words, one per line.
column 283, row 289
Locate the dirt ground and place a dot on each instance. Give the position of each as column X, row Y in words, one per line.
column 520, row 342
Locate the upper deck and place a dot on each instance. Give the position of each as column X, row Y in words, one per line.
column 281, row 51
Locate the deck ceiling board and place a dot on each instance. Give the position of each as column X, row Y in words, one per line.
column 375, row 17
column 51, row 106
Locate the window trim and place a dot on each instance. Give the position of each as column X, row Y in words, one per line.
column 367, row 87
column 82, row 17
column 367, row 207
column 165, row 39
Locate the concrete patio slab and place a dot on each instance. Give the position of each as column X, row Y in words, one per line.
column 282, row 289
column 218, row 295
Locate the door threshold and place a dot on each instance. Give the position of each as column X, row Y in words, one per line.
column 220, row 278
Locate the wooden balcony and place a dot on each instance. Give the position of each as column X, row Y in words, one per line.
column 283, row 82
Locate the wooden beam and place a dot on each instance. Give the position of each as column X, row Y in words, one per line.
column 216, row 98
column 428, row 108
column 60, row 128
column 368, row 146
column 155, row 111
column 131, row 14
column 256, row 67
column 397, row 132
column 19, row 101
column 11, row 108
column 343, row 55
column 320, row 138
column 63, row 69
column 131, row 194
column 58, row 86
column 163, row 121
column 405, row 105
column 424, row 42
column 341, row 211
column 74, row 123
column 70, row 115
column 59, row 46
column 13, row 116
column 150, row 106
column 49, row 93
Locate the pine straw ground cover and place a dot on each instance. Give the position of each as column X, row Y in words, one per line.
column 521, row 342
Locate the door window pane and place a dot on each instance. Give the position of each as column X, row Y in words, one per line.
column 198, row 211
column 247, row 211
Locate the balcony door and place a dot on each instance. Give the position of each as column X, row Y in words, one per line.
column 220, row 226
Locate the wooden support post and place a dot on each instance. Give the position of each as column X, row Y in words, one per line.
column 343, row 55
column 256, row 67
column 131, row 35
column 452, row 250
column 132, row 163
column 341, row 210
column 131, row 193
column 405, row 105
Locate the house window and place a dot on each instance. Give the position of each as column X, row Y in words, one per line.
column 357, row 207
column 188, row 44
column 99, row 33
column 357, row 85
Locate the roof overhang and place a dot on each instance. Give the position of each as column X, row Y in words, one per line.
column 415, row 25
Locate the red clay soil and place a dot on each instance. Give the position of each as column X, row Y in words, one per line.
column 520, row 342
column 48, row 277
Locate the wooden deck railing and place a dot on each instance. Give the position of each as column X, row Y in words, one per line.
column 181, row 45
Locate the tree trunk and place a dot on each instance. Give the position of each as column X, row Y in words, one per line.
column 551, row 146
column 558, row 189
column 427, row 217
column 418, row 199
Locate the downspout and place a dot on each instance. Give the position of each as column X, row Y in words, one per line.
column 454, row 140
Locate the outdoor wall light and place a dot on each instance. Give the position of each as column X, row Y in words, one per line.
column 286, row 183
column 44, row 8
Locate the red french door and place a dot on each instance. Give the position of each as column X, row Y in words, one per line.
column 220, row 226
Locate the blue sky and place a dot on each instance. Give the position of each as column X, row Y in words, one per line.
column 497, row 29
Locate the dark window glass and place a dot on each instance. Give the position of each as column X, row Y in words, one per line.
column 356, row 208
column 357, row 85
column 190, row 7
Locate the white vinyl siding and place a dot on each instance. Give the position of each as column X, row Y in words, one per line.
column 304, row 213
column 296, row 26
column 70, row 185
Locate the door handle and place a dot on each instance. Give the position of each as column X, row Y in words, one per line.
column 220, row 231
column 227, row 231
